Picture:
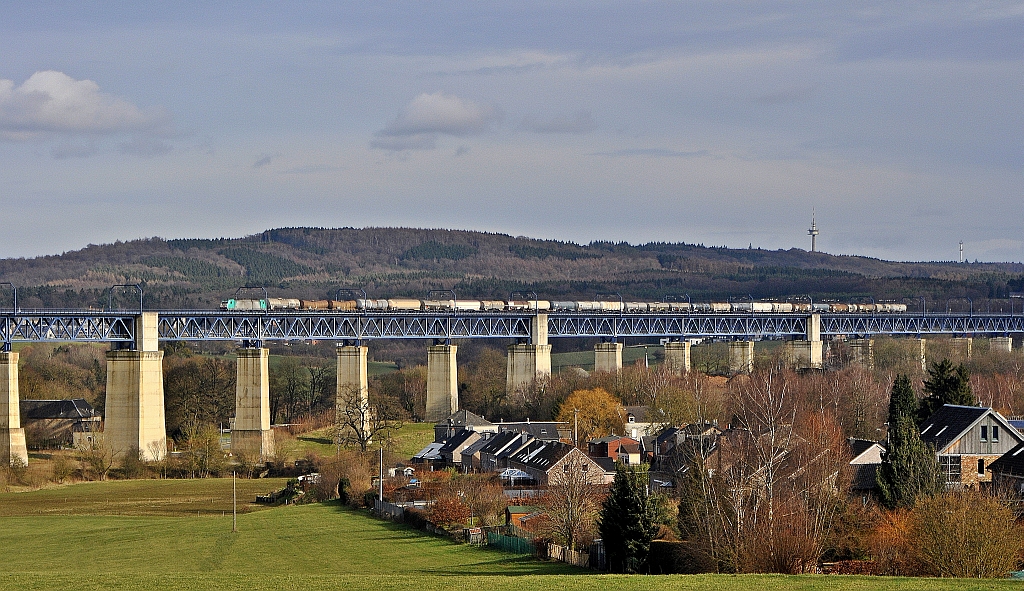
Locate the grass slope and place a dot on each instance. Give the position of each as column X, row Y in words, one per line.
column 308, row 547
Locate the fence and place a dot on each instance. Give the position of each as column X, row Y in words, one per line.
column 388, row 510
column 564, row 554
column 510, row 543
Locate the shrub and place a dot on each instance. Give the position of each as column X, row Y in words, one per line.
column 449, row 511
column 133, row 465
column 62, row 468
column 965, row 534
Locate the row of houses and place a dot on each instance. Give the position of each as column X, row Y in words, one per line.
column 527, row 452
column 975, row 446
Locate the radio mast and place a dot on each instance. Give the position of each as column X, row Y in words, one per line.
column 813, row 232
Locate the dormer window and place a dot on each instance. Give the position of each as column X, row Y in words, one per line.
column 631, row 419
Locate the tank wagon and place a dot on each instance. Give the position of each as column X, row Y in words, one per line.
column 457, row 305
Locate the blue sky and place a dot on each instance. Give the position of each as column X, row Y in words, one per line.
column 721, row 123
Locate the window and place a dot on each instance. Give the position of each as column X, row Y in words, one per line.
column 995, row 434
column 584, row 468
column 981, row 467
column 632, row 419
column 565, row 467
column 984, row 433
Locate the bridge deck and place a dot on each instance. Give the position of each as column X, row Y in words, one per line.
column 192, row 325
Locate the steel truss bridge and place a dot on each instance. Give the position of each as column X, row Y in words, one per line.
column 190, row 325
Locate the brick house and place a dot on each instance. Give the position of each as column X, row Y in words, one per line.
column 610, row 445
column 546, row 461
column 967, row 439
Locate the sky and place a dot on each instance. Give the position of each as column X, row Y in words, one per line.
column 899, row 124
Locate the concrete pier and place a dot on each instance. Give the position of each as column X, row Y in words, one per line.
column 741, row 357
column 134, row 408
column 862, row 352
column 1001, row 344
column 442, row 382
column 12, row 435
column 526, row 364
column 804, row 354
column 352, row 382
column 608, row 357
column 923, row 344
column 962, row 345
column 251, row 434
column 677, row 356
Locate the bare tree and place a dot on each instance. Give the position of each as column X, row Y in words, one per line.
column 573, row 501
column 360, row 420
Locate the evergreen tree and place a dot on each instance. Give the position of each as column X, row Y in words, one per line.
column 945, row 384
column 909, row 468
column 627, row 521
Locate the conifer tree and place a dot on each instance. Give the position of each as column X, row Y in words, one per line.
column 909, row 468
column 945, row 384
column 627, row 521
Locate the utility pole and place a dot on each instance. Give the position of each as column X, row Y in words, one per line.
column 234, row 504
column 576, row 426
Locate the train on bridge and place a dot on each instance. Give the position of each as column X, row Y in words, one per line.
column 616, row 306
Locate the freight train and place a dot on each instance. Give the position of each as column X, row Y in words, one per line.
column 452, row 305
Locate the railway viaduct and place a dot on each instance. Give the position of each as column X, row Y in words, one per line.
column 135, row 399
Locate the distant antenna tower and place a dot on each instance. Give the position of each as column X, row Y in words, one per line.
column 961, row 251
column 813, row 232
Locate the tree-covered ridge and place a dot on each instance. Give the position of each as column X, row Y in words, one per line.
column 314, row 262
column 264, row 266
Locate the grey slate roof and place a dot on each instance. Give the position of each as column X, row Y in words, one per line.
column 476, row 446
column 76, row 408
column 455, row 441
column 859, row 446
column 949, row 423
column 1011, row 463
column 547, row 431
column 541, row 455
column 607, row 464
column 864, row 476
column 503, row 444
column 463, row 418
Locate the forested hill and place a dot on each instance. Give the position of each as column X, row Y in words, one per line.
column 314, row 262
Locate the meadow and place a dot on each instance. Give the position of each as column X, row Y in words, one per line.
column 176, row 534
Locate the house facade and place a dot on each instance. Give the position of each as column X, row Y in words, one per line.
column 548, row 462
column 967, row 439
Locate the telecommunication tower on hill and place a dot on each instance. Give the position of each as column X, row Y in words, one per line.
column 813, row 232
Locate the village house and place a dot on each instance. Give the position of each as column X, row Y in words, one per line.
column 967, row 439
column 607, row 446
column 543, row 430
column 451, row 450
column 865, row 458
column 471, row 453
column 635, row 422
column 459, row 420
column 546, row 461
column 495, row 453
column 53, row 424
column 1008, row 471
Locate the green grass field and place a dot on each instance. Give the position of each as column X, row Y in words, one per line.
column 143, row 535
column 408, row 440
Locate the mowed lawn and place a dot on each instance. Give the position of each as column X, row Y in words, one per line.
column 308, row 547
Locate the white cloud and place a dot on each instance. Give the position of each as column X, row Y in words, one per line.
column 53, row 102
column 430, row 115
